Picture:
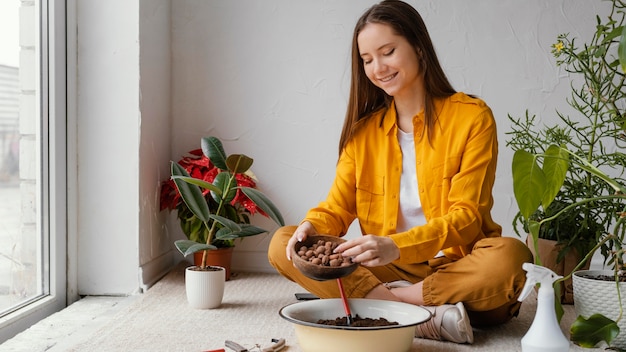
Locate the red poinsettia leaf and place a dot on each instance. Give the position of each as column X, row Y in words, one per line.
column 252, row 208
column 245, row 181
column 209, row 176
column 167, row 196
column 202, row 162
column 196, row 152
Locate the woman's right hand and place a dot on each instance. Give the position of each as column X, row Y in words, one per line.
column 305, row 229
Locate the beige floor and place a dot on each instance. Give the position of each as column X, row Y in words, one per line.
column 160, row 320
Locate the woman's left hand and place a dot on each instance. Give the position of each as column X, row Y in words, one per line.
column 370, row 250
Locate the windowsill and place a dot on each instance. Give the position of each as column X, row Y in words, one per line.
column 69, row 327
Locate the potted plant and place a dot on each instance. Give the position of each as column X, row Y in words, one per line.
column 572, row 172
column 575, row 232
column 531, row 183
column 214, row 200
column 209, row 164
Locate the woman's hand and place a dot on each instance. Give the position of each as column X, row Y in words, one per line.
column 370, row 250
column 305, row 229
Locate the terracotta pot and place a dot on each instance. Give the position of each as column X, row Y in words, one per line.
column 548, row 253
column 205, row 288
column 219, row 257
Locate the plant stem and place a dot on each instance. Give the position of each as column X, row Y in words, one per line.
column 213, row 229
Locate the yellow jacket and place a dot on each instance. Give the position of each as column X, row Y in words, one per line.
column 455, row 176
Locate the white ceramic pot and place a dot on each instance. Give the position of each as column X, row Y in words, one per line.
column 205, row 288
column 313, row 337
column 597, row 296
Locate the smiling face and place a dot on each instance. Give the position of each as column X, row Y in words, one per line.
column 389, row 61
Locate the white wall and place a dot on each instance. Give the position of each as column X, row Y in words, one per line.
column 271, row 79
column 122, row 145
column 107, row 147
column 155, row 254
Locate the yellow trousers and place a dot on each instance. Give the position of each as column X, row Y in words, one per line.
column 488, row 281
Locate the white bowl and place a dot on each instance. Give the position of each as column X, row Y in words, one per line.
column 313, row 337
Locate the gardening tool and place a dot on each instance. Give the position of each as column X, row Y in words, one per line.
column 278, row 345
column 344, row 299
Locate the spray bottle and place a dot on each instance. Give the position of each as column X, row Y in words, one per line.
column 545, row 334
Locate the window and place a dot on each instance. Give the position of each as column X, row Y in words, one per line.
column 32, row 162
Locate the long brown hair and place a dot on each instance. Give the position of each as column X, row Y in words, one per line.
column 365, row 97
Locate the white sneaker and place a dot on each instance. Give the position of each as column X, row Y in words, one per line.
column 449, row 322
column 396, row 284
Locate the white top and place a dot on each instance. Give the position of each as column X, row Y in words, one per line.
column 410, row 212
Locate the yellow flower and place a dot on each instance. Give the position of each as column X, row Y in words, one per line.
column 558, row 46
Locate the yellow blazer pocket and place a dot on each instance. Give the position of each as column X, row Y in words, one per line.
column 370, row 191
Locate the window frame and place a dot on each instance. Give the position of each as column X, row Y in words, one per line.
column 52, row 62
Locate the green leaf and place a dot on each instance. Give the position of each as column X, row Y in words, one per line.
column 589, row 332
column 558, row 307
column 528, row 182
column 221, row 182
column 227, row 223
column 599, row 52
column 246, row 230
column 214, row 150
column 190, row 193
column 621, row 51
column 555, row 165
column 589, row 167
column 187, row 247
column 264, row 204
column 196, row 230
column 198, row 182
column 230, row 212
column 616, row 32
column 239, row 163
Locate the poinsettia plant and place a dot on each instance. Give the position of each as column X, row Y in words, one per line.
column 214, row 196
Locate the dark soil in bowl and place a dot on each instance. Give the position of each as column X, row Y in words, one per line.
column 357, row 321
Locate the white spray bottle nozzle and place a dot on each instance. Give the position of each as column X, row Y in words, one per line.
column 536, row 274
column 544, row 334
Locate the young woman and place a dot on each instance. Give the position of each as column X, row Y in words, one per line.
column 417, row 163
